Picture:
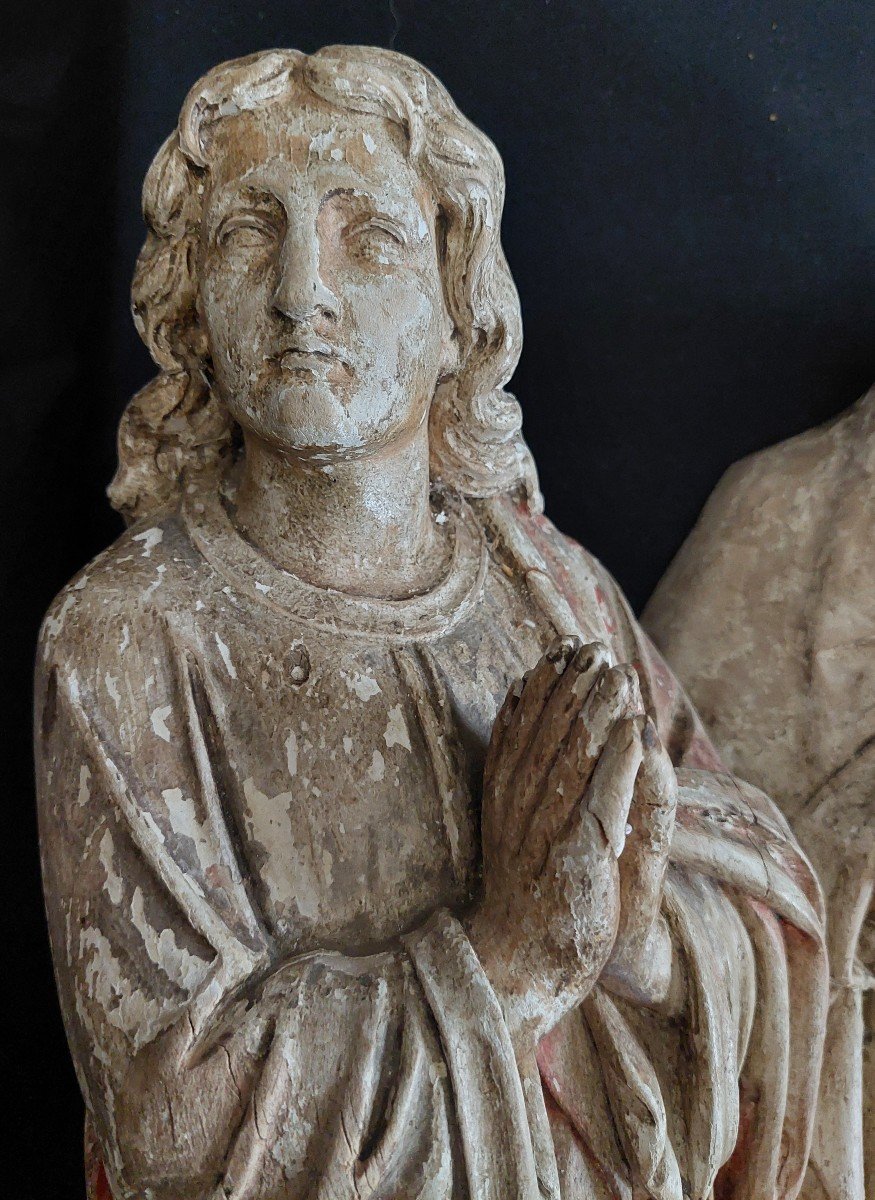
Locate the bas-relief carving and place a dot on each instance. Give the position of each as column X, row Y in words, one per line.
column 768, row 615
column 383, row 855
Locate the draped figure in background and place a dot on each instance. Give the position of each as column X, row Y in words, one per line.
column 768, row 615
column 383, row 855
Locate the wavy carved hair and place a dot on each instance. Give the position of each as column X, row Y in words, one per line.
column 176, row 429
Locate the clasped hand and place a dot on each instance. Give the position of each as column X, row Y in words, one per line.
column 578, row 810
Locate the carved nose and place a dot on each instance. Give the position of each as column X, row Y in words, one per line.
column 301, row 294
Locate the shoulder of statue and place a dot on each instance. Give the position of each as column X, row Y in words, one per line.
column 800, row 469
column 125, row 592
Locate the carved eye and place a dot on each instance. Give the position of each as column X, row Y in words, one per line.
column 247, row 231
column 377, row 239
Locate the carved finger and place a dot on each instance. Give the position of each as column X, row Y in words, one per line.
column 500, row 727
column 616, row 695
column 523, row 721
column 608, row 702
column 492, row 819
column 651, row 820
column 609, row 795
column 572, row 691
column 655, row 800
column 570, row 694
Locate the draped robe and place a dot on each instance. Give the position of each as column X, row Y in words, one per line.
column 259, row 808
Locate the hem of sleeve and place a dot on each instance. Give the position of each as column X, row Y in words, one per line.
column 503, row 1124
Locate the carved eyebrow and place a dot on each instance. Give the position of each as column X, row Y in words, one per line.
column 377, row 210
column 254, row 196
column 350, row 193
column 240, row 199
column 234, row 198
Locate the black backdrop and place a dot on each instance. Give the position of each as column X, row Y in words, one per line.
column 690, row 222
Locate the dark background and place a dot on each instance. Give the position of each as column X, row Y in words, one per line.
column 690, row 223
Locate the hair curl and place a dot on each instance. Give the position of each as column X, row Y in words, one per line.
column 176, row 426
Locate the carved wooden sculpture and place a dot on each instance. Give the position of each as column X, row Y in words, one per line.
column 383, row 855
column 768, row 614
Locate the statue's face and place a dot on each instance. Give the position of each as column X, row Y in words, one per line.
column 320, row 286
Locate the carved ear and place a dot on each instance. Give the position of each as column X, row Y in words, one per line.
column 196, row 336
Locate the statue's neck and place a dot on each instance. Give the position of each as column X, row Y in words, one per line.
column 364, row 527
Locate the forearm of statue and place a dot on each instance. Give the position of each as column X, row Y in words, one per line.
column 291, row 1041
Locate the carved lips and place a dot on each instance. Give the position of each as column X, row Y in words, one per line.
column 308, row 355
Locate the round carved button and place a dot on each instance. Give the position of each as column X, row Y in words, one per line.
column 299, row 666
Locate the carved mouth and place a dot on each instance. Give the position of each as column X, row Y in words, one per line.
column 308, row 355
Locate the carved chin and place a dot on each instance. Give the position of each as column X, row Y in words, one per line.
column 309, row 415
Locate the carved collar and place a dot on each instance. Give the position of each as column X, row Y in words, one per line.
column 424, row 616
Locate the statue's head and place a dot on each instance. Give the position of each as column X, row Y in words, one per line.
column 323, row 270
